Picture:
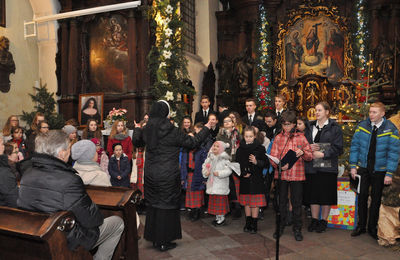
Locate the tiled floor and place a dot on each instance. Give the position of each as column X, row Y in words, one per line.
column 203, row 241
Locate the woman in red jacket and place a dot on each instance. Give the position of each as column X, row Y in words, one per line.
column 119, row 134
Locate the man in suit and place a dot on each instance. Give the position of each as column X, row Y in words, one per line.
column 252, row 115
column 375, row 150
column 273, row 126
column 202, row 115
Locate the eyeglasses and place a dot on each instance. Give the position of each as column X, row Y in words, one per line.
column 45, row 127
column 227, row 121
column 14, row 120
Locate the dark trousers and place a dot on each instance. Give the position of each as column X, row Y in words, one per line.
column 375, row 180
column 296, row 197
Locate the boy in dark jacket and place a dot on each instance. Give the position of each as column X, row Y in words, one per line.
column 375, row 149
column 119, row 167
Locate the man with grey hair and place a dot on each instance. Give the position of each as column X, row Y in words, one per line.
column 49, row 184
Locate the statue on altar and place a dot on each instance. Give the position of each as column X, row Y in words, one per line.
column 241, row 71
column 7, row 65
column 384, row 60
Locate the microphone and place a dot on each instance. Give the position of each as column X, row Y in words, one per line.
column 292, row 131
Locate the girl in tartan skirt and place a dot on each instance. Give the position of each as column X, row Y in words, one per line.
column 252, row 160
column 195, row 182
column 217, row 169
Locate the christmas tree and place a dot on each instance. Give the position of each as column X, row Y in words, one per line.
column 356, row 112
column 46, row 104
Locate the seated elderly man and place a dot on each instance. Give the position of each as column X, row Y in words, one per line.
column 49, row 184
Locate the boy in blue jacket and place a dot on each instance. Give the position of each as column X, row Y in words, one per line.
column 375, row 150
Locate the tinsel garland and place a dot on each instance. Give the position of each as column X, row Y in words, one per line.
column 264, row 91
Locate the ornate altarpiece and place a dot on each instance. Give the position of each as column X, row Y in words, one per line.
column 313, row 59
column 105, row 52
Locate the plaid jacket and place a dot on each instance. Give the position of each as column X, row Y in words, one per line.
column 297, row 141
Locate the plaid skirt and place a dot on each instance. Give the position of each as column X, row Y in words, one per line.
column 236, row 180
column 218, row 204
column 194, row 199
column 253, row 200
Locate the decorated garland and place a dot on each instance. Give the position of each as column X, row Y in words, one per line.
column 361, row 36
column 167, row 61
column 264, row 91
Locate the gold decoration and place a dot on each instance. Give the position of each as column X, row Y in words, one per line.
column 308, row 11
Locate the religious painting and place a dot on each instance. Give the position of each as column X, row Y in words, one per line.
column 3, row 13
column 315, row 41
column 91, row 106
column 108, row 50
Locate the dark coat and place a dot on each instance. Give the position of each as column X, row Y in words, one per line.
column 124, row 171
column 258, row 121
column 50, row 185
column 331, row 133
column 8, row 184
column 199, row 116
column 255, row 183
column 162, row 178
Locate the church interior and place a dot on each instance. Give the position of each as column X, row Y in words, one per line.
column 65, row 57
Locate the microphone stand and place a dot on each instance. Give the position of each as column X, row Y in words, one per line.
column 277, row 196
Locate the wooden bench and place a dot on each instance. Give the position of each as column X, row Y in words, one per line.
column 34, row 236
column 121, row 202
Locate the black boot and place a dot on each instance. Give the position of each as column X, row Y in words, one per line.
column 196, row 214
column 313, row 225
column 247, row 227
column 297, row 234
column 322, row 226
column 253, row 229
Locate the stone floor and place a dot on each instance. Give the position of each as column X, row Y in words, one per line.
column 201, row 240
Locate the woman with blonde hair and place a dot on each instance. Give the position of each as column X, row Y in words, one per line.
column 119, row 134
column 12, row 121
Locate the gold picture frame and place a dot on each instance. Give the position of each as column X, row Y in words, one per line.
column 94, row 102
column 314, row 41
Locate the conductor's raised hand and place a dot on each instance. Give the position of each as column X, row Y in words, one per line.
column 136, row 124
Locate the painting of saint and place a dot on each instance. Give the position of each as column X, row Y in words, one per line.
column 333, row 52
column 294, row 55
column 109, row 54
column 316, row 45
column 91, row 107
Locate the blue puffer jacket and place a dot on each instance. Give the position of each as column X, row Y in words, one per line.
column 387, row 147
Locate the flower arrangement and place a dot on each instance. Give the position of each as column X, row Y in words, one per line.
column 116, row 114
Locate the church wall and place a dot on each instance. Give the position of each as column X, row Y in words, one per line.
column 206, row 46
column 25, row 54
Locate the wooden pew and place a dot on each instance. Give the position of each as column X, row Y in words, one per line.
column 34, row 236
column 121, row 202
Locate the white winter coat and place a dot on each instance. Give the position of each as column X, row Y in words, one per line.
column 219, row 185
column 92, row 174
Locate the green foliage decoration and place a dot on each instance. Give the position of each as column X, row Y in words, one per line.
column 167, row 61
column 46, row 104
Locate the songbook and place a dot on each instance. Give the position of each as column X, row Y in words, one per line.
column 289, row 158
column 355, row 184
column 320, row 162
